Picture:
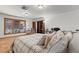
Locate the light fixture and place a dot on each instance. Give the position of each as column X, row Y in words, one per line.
column 41, row 6
column 25, row 13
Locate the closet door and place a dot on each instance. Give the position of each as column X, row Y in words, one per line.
column 40, row 27
column 34, row 26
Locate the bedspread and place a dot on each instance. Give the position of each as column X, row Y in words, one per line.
column 25, row 44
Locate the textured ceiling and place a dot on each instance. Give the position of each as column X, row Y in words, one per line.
column 34, row 11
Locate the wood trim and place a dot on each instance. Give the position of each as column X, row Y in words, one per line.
column 13, row 27
column 4, row 25
column 13, row 35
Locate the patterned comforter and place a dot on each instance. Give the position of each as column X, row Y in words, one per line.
column 25, row 44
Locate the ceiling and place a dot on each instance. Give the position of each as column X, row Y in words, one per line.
column 33, row 11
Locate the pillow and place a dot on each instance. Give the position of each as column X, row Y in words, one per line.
column 51, row 35
column 68, row 38
column 58, row 36
column 69, row 35
column 48, row 38
column 46, row 42
column 60, row 45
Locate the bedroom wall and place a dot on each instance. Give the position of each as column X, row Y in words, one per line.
column 28, row 22
column 66, row 21
column 1, row 26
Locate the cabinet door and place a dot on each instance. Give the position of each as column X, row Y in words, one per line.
column 34, row 26
column 19, row 26
column 8, row 26
column 22, row 26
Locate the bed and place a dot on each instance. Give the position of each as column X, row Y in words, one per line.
column 29, row 44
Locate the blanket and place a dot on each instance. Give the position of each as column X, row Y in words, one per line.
column 25, row 43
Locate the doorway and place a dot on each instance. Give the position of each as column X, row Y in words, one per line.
column 38, row 26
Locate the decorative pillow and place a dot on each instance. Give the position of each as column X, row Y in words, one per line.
column 45, row 40
column 55, row 38
column 68, row 38
column 51, row 35
column 60, row 44
column 48, row 38
column 69, row 35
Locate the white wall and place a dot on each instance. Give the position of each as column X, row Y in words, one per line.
column 28, row 24
column 1, row 26
column 66, row 21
